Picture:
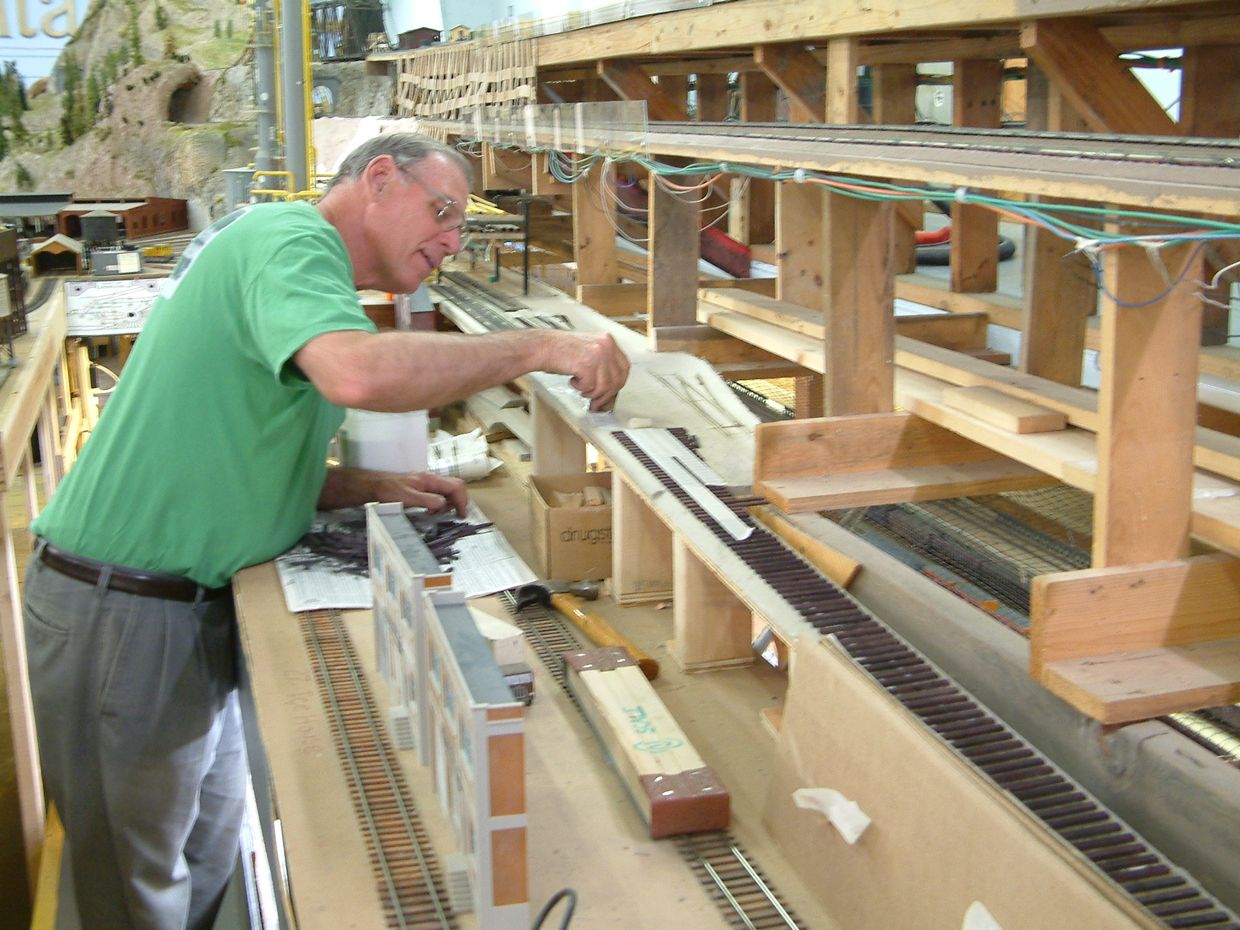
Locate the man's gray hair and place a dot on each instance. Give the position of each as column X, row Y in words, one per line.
column 406, row 149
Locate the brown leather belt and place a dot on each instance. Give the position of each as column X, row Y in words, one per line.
column 128, row 580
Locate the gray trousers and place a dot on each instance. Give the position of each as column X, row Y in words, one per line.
column 141, row 745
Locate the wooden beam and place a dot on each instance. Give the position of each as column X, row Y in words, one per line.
column 594, row 232
column 799, row 75
column 671, row 294
column 976, row 90
column 893, row 94
column 798, row 244
column 510, row 171
column 860, row 326
column 1086, row 68
column 709, row 344
column 628, row 80
column 842, row 103
column 675, row 88
column 837, row 566
column 1210, row 91
column 961, row 332
column 1147, row 405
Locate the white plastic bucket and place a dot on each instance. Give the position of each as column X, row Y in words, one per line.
column 384, row 441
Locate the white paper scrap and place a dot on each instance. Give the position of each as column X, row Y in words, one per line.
column 845, row 815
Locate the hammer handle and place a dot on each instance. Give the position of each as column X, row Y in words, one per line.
column 602, row 633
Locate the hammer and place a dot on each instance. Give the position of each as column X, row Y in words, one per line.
column 567, row 600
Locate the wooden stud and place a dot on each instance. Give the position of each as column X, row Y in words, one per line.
column 1060, row 296
column 557, row 449
column 675, row 87
column 673, row 255
column 860, row 325
column 798, row 243
column 641, row 554
column 1210, row 92
column 976, row 87
column 1147, row 405
column 711, row 623
column 594, row 231
column 842, row 105
column 893, row 94
column 755, row 214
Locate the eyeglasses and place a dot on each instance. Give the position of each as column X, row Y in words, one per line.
column 451, row 215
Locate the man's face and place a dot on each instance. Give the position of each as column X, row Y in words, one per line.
column 421, row 214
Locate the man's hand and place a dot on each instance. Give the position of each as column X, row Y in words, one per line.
column 435, row 493
column 596, row 364
column 352, row 487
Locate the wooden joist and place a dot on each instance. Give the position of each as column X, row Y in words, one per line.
column 1138, row 641
column 673, row 788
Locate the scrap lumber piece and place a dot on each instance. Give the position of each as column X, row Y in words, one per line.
column 673, row 788
column 1009, row 413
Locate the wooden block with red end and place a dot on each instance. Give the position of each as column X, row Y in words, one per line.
column 674, row 789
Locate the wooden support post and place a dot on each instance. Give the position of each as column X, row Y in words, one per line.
column 800, row 273
column 753, row 220
column 712, row 625
column 1147, row 405
column 893, row 102
column 1210, row 92
column 1059, row 297
column 712, row 97
column 976, row 88
column 641, row 553
column 673, row 256
column 557, row 449
column 542, row 184
column 1086, row 68
column 594, row 231
column 858, row 308
column 842, row 104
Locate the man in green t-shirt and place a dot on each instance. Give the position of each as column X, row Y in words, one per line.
column 211, row 456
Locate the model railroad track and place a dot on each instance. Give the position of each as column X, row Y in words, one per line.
column 731, row 879
column 739, row 888
column 1153, row 882
column 409, row 881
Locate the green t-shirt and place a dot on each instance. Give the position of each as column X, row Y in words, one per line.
column 211, row 452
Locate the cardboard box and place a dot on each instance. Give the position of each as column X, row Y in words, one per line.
column 572, row 538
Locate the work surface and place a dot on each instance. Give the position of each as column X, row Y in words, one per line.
column 584, row 832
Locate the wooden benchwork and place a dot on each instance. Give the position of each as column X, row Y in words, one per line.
column 1070, row 455
column 1139, row 641
column 673, row 788
column 856, row 461
column 1214, row 451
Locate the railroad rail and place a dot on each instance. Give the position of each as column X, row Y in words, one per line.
column 409, row 881
column 1012, row 764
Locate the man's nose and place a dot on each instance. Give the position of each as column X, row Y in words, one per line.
column 451, row 238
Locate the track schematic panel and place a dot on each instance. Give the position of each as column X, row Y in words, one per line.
column 109, row 308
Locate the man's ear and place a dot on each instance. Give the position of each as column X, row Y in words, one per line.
column 379, row 173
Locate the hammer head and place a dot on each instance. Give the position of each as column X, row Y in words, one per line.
column 539, row 592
